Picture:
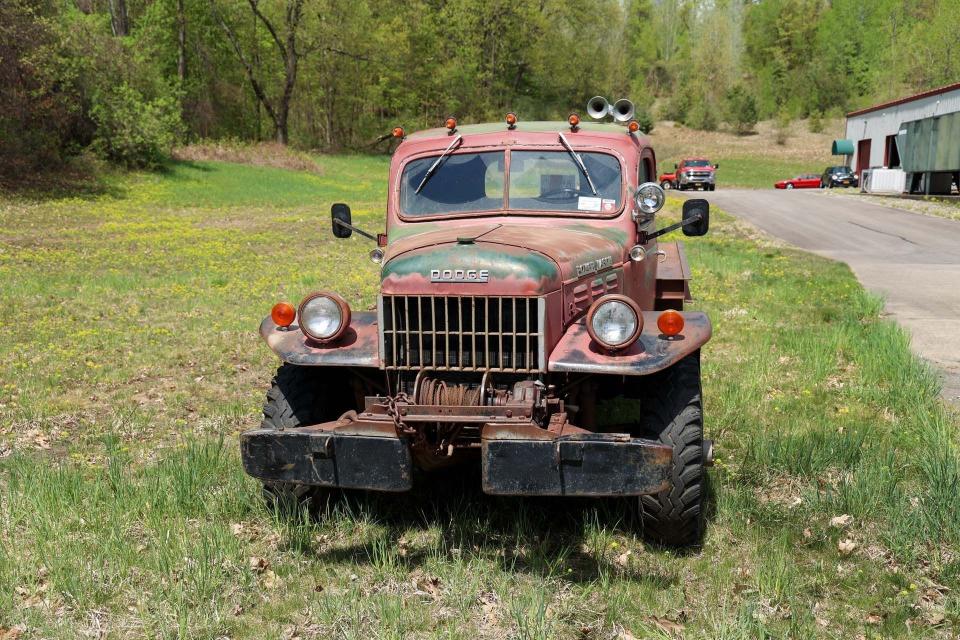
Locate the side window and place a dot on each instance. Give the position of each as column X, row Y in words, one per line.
column 646, row 171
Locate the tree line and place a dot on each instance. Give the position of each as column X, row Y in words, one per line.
column 128, row 79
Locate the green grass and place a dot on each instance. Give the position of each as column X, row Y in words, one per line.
column 129, row 361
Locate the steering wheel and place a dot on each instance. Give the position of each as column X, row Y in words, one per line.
column 564, row 193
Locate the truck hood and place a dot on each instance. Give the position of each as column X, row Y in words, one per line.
column 498, row 259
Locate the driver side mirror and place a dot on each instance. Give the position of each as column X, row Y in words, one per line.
column 691, row 209
column 716, row 166
column 341, row 213
column 675, row 166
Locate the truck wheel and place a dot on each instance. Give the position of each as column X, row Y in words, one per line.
column 298, row 396
column 671, row 413
column 665, row 185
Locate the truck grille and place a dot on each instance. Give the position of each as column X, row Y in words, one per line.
column 461, row 333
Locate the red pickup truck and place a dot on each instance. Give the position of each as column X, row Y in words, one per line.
column 691, row 173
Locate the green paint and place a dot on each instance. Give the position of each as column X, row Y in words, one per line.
column 502, row 262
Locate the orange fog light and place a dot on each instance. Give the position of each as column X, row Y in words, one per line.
column 398, row 132
column 633, row 126
column 670, row 322
column 511, row 119
column 451, row 123
column 574, row 120
column 283, row 314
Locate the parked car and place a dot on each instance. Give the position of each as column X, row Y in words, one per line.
column 802, row 181
column 838, row 177
column 691, row 173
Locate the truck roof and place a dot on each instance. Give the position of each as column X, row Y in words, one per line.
column 542, row 126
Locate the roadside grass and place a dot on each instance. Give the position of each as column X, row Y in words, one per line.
column 129, row 361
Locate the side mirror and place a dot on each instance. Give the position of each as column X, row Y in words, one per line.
column 341, row 213
column 716, row 166
column 675, row 166
column 692, row 208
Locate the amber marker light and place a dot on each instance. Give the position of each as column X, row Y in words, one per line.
column 633, row 126
column 511, row 119
column 398, row 132
column 574, row 120
column 283, row 314
column 451, row 123
column 670, row 323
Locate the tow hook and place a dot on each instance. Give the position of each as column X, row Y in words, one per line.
column 708, row 453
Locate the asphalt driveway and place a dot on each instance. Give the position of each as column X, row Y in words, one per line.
column 913, row 260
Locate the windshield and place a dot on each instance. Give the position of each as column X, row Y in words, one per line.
column 462, row 183
column 539, row 180
column 697, row 163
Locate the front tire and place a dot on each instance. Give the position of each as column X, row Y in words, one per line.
column 671, row 413
column 298, row 397
column 789, row 186
column 665, row 185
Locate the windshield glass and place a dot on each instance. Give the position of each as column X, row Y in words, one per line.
column 697, row 163
column 552, row 180
column 462, row 183
column 539, row 180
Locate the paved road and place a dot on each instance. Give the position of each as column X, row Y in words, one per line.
column 913, row 260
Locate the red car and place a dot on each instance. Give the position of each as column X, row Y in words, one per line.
column 803, row 181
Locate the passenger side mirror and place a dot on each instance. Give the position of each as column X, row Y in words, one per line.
column 675, row 166
column 716, row 166
column 340, row 213
column 692, row 209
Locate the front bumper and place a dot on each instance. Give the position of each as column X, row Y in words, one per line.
column 696, row 180
column 518, row 458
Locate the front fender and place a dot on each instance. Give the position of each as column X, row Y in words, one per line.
column 358, row 347
column 577, row 353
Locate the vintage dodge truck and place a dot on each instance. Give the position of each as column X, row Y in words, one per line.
column 527, row 316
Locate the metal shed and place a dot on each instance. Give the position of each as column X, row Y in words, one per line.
column 876, row 136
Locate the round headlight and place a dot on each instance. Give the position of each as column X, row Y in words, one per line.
column 324, row 316
column 650, row 197
column 614, row 322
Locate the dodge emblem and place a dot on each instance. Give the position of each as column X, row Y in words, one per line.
column 460, row 275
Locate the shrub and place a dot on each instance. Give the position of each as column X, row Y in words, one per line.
column 702, row 116
column 782, row 127
column 741, row 109
column 133, row 131
column 815, row 124
column 644, row 119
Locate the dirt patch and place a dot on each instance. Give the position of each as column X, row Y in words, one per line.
column 263, row 154
column 672, row 139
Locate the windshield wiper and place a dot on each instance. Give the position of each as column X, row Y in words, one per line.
column 437, row 162
column 576, row 157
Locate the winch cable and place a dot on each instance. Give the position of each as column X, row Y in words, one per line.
column 431, row 391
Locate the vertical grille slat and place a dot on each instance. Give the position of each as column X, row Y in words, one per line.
column 462, row 333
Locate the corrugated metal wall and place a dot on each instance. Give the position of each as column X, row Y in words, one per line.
column 877, row 125
column 931, row 144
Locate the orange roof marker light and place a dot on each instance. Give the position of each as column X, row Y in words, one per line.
column 283, row 314
column 511, row 119
column 398, row 132
column 633, row 126
column 574, row 120
column 451, row 124
column 670, row 323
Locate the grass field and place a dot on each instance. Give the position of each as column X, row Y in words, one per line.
column 129, row 362
column 756, row 160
